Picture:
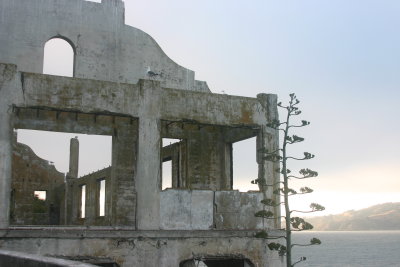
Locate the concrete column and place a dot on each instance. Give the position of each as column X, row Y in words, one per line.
column 8, row 94
column 5, row 166
column 73, row 158
column 227, row 173
column 149, row 155
column 123, row 193
column 69, row 208
column 268, row 139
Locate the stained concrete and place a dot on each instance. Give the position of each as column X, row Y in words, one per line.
column 112, row 94
column 19, row 259
column 143, row 248
column 135, row 116
column 105, row 48
column 31, row 173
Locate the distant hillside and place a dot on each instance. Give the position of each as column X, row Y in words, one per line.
column 379, row 217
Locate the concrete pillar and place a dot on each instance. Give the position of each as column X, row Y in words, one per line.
column 227, row 173
column 149, row 155
column 8, row 93
column 123, row 173
column 268, row 139
column 73, row 158
column 5, row 166
column 69, row 204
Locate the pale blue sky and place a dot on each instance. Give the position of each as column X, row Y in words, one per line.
column 341, row 58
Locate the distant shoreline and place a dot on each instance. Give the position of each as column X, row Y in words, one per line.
column 382, row 217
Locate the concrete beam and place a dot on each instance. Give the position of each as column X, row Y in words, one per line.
column 107, row 97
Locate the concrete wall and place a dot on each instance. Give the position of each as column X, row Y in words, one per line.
column 135, row 115
column 142, row 248
column 207, row 210
column 31, row 173
column 186, row 209
column 91, row 181
column 105, row 48
column 44, row 102
column 110, row 95
column 19, row 259
column 203, row 157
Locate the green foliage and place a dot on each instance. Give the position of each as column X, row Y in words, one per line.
column 278, row 247
column 262, row 234
column 300, row 224
column 306, row 190
column 280, row 155
column 315, row 241
column 316, row 207
column 308, row 173
column 264, row 214
column 269, row 202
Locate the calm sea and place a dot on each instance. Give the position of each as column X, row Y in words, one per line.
column 343, row 249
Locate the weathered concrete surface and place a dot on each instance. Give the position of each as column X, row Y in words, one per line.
column 73, row 158
column 148, row 164
column 31, row 173
column 143, row 248
column 8, row 81
column 186, row 209
column 176, row 105
column 19, row 259
column 145, row 101
column 105, row 48
column 235, row 210
column 268, row 139
column 206, row 209
column 123, row 198
column 91, row 181
column 111, row 96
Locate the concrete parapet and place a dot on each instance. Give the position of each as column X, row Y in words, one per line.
column 206, row 209
column 20, row 259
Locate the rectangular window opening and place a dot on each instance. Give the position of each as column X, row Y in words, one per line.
column 167, row 174
column 169, row 156
column 102, row 197
column 169, row 141
column 67, row 157
column 245, row 167
column 83, row 202
column 41, row 195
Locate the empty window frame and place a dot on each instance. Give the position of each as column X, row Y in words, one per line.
column 244, row 167
column 167, row 155
column 40, row 194
column 59, row 57
column 167, row 174
column 102, row 197
column 82, row 209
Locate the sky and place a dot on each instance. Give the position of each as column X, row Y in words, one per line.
column 342, row 60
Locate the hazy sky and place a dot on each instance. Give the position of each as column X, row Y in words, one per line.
column 341, row 58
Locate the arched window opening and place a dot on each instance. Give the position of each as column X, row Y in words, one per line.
column 58, row 58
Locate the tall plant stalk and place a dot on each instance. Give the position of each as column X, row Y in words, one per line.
column 292, row 223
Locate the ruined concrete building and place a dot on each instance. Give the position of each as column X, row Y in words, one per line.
column 125, row 87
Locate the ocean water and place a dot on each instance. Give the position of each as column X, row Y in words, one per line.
column 349, row 249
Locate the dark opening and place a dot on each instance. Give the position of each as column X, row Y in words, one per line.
column 216, row 262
